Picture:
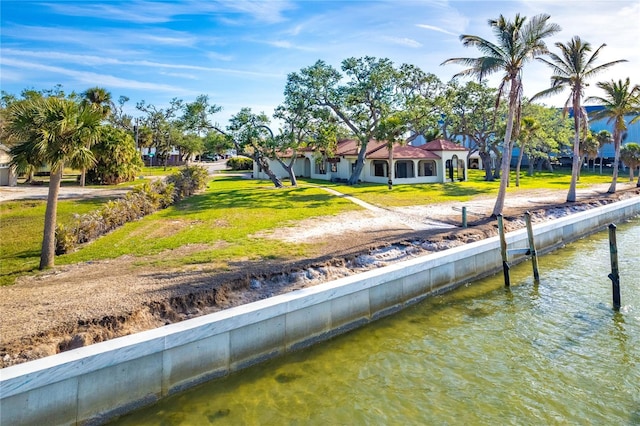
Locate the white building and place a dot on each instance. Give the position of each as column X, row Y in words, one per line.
column 436, row 161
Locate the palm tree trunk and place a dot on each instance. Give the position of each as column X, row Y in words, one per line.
column 48, row 252
column 616, row 162
column 390, row 167
column 601, row 160
column 83, row 177
column 520, row 155
column 506, row 151
column 30, row 175
column 575, row 166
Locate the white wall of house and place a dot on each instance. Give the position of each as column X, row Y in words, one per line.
column 308, row 167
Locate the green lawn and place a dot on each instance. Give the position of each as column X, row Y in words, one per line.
column 224, row 219
column 21, row 227
column 417, row 194
column 221, row 220
column 159, row 170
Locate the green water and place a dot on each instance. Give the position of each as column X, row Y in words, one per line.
column 553, row 353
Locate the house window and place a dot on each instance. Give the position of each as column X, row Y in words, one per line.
column 334, row 167
column 404, row 169
column 379, row 168
column 427, row 168
column 321, row 168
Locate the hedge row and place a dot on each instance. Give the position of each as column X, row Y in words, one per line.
column 240, row 163
column 141, row 201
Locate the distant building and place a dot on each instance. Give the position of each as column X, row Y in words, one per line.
column 8, row 176
column 632, row 134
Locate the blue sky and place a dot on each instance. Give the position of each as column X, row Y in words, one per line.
column 240, row 52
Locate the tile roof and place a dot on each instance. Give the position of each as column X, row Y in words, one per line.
column 442, row 145
column 401, row 152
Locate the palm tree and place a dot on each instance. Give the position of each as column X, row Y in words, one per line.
column 99, row 99
column 518, row 42
column 572, row 68
column 529, row 129
column 630, row 154
column 620, row 100
column 54, row 130
column 588, row 150
column 603, row 137
column 391, row 130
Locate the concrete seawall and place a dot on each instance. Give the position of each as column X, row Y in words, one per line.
column 92, row 384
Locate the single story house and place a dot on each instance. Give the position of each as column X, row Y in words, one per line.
column 437, row 161
column 8, row 176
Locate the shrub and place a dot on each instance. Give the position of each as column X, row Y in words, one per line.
column 240, row 163
column 65, row 239
column 117, row 159
column 188, row 181
column 141, row 201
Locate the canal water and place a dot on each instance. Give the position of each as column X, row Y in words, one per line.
column 548, row 353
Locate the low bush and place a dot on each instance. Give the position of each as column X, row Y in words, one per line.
column 141, row 201
column 240, row 163
column 188, row 182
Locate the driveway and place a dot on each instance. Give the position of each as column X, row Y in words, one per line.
column 39, row 192
column 8, row 193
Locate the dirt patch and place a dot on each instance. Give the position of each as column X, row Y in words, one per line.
column 81, row 304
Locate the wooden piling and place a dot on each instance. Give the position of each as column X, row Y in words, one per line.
column 503, row 251
column 464, row 217
column 532, row 247
column 614, row 276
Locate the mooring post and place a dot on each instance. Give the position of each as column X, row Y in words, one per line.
column 532, row 247
column 503, row 252
column 614, row 275
column 464, row 217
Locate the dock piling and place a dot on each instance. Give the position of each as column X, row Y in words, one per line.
column 614, row 276
column 532, row 247
column 503, row 251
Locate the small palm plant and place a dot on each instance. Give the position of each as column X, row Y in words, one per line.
column 630, row 155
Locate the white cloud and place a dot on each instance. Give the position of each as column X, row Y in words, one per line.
column 403, row 41
column 434, row 28
column 267, row 11
column 153, row 12
column 91, row 77
column 101, row 60
column 285, row 44
column 179, row 75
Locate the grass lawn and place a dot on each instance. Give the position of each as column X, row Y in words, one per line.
column 419, row 194
column 222, row 220
column 159, row 170
column 21, row 228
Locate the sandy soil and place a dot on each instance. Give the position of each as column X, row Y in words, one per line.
column 77, row 305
